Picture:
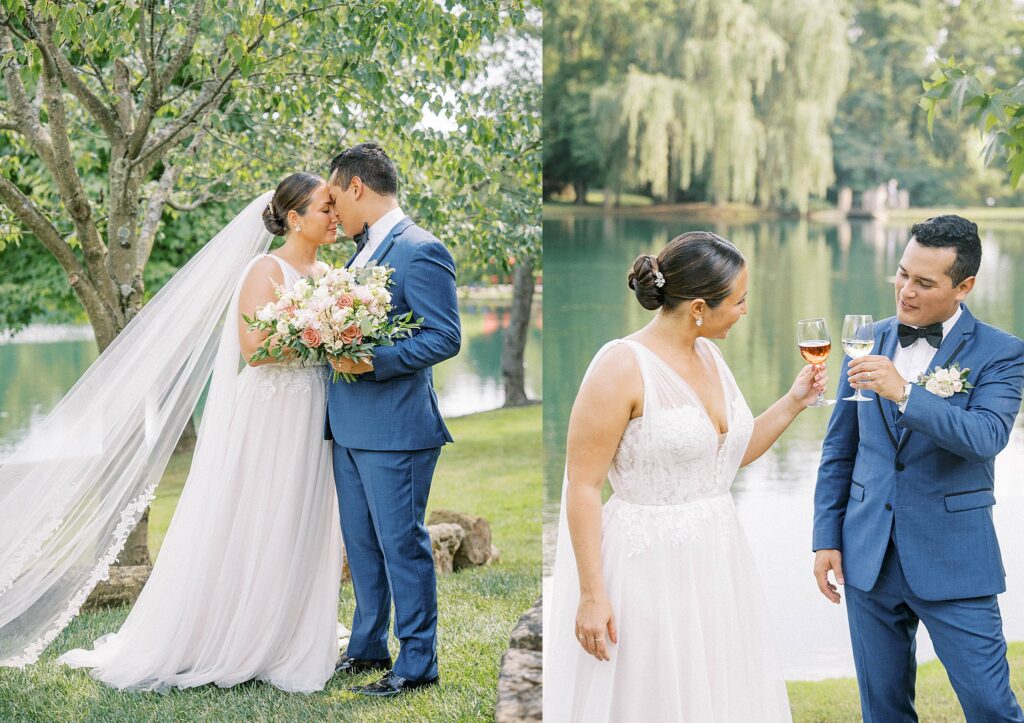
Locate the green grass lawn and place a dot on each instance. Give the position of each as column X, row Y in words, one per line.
column 836, row 700
column 493, row 470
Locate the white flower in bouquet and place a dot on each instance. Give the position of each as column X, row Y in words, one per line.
column 363, row 294
column 267, row 313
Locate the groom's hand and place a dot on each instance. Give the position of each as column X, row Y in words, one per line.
column 825, row 560
column 347, row 366
column 877, row 374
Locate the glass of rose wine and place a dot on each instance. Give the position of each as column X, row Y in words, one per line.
column 858, row 340
column 815, row 344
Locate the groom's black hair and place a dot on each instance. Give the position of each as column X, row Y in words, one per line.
column 953, row 232
column 371, row 164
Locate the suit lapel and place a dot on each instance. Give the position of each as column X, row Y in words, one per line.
column 386, row 244
column 887, row 348
column 389, row 240
column 947, row 353
column 954, row 342
column 351, row 259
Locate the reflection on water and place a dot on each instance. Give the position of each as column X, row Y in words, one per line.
column 797, row 270
column 38, row 367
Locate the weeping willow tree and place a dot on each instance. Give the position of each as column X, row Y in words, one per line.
column 731, row 97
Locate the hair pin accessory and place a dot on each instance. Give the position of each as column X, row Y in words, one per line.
column 659, row 279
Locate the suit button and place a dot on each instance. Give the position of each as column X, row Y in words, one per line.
column 888, row 506
column 900, row 466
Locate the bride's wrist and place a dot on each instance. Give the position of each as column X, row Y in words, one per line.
column 793, row 406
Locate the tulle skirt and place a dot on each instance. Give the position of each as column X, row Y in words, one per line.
column 245, row 586
column 694, row 643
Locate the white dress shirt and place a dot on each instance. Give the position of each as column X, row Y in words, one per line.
column 377, row 233
column 916, row 359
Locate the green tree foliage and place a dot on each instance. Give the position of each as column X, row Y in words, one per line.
column 119, row 118
column 583, row 44
column 733, row 98
column 881, row 133
column 998, row 114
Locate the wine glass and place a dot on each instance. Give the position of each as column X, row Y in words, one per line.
column 815, row 344
column 858, row 340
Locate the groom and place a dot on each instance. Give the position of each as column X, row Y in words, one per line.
column 903, row 503
column 388, row 432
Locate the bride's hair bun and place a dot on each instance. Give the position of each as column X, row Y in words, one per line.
column 274, row 223
column 695, row 265
column 643, row 280
column 292, row 194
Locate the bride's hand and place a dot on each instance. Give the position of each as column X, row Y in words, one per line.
column 347, row 366
column 594, row 618
column 811, row 380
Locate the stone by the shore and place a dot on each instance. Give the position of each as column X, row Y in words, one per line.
column 520, row 691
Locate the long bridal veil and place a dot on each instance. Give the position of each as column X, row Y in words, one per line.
column 76, row 486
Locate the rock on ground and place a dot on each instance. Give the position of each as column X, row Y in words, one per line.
column 445, row 539
column 121, row 588
column 520, row 692
column 476, row 548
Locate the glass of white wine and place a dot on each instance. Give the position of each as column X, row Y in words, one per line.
column 815, row 344
column 858, row 340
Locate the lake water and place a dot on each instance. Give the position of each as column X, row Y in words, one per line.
column 797, row 270
column 40, row 365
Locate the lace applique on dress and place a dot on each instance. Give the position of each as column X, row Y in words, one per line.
column 672, row 470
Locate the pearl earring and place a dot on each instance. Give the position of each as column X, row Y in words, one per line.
column 700, row 321
column 298, row 228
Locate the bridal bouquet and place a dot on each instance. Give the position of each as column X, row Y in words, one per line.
column 341, row 314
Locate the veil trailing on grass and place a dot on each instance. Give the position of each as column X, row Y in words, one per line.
column 73, row 490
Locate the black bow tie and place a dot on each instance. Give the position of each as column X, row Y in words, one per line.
column 908, row 334
column 362, row 237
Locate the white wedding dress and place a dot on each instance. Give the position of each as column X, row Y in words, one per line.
column 694, row 644
column 245, row 586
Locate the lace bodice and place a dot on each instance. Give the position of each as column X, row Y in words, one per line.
column 673, row 454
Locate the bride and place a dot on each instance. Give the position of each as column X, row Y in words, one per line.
column 246, row 583
column 656, row 613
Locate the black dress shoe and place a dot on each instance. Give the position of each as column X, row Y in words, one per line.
column 359, row 665
column 391, row 685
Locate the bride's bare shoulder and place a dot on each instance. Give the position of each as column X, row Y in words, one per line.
column 615, row 366
column 260, row 283
column 264, row 268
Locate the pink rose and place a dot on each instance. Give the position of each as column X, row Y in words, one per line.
column 310, row 337
column 351, row 334
column 344, row 301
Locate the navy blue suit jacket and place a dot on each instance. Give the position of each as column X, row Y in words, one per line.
column 929, row 470
column 394, row 407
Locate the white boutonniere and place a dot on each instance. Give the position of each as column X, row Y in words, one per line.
column 946, row 382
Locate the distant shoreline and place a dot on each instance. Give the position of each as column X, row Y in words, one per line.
column 745, row 213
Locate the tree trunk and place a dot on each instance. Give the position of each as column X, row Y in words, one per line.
column 581, row 192
column 513, row 370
